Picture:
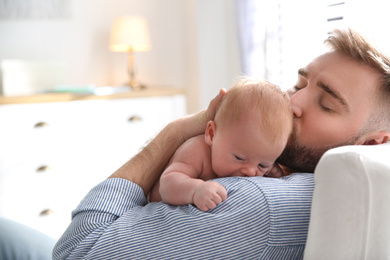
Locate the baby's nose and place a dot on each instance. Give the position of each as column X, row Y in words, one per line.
column 248, row 171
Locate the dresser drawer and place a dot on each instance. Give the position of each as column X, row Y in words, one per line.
column 52, row 154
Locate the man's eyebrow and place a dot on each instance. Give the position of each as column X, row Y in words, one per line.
column 302, row 72
column 334, row 94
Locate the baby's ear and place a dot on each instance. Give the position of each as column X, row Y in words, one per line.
column 210, row 132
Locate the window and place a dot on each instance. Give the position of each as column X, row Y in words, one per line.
column 278, row 37
column 335, row 14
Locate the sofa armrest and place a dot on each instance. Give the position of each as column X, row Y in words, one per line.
column 350, row 215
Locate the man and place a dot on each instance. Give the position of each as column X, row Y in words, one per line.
column 340, row 98
column 18, row 241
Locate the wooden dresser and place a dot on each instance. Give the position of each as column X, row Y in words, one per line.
column 55, row 147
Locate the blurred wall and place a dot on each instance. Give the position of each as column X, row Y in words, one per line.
column 194, row 44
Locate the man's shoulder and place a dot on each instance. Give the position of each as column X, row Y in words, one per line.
column 296, row 182
column 289, row 194
column 285, row 201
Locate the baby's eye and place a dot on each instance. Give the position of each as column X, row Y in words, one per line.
column 264, row 166
column 239, row 158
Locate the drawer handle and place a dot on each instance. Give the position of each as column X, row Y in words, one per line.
column 41, row 124
column 46, row 212
column 43, row 168
column 134, row 119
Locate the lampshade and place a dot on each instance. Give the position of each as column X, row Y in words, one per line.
column 129, row 33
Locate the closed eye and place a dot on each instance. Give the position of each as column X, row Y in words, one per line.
column 326, row 109
column 323, row 105
column 293, row 90
column 296, row 88
column 264, row 166
column 334, row 94
column 239, row 158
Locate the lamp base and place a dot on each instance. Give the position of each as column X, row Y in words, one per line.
column 135, row 85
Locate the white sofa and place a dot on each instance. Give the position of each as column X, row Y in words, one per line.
column 350, row 216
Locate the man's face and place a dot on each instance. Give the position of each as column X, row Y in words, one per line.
column 331, row 102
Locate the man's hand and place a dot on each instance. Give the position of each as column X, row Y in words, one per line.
column 195, row 124
column 146, row 167
column 208, row 195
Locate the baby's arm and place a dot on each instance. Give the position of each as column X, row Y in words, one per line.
column 180, row 184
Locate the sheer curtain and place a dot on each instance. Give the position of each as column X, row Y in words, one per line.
column 278, row 37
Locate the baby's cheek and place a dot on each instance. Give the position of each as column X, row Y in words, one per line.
column 221, row 170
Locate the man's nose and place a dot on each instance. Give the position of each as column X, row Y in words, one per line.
column 296, row 101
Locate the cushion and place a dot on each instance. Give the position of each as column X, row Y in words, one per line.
column 350, row 215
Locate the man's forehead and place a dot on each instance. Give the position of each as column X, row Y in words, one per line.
column 327, row 57
column 335, row 64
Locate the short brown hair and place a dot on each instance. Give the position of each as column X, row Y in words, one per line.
column 263, row 101
column 355, row 46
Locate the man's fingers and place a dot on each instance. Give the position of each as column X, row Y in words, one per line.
column 214, row 103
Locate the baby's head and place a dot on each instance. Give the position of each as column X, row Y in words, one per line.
column 252, row 124
column 260, row 100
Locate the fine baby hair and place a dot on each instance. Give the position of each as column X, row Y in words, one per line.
column 262, row 101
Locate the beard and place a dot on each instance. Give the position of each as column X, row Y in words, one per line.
column 300, row 158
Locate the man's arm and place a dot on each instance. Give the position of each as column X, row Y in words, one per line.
column 145, row 168
column 264, row 218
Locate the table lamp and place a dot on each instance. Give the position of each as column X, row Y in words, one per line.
column 130, row 34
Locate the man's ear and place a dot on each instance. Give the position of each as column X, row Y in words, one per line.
column 374, row 138
column 211, row 129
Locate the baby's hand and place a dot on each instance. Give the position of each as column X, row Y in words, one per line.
column 208, row 195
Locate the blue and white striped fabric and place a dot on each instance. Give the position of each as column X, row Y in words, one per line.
column 263, row 218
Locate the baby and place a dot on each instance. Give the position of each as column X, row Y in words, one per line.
column 249, row 132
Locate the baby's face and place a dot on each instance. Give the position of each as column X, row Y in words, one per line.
column 244, row 150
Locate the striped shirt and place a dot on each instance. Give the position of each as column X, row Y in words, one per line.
column 263, row 218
